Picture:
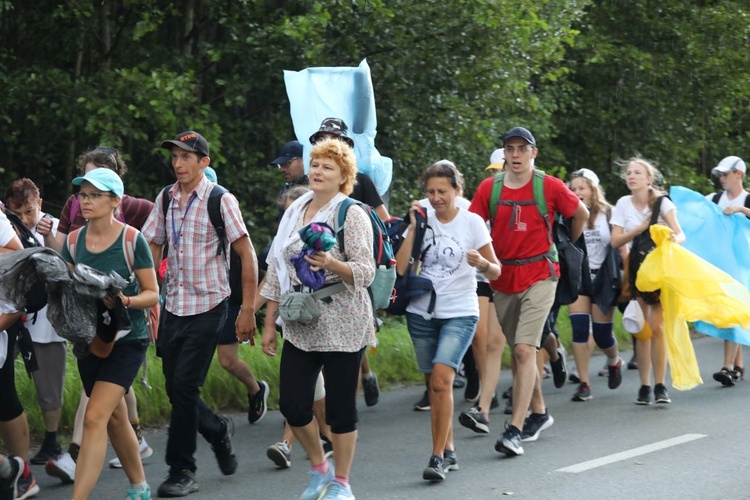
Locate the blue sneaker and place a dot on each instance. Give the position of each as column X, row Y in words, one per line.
column 338, row 491
column 139, row 495
column 318, row 484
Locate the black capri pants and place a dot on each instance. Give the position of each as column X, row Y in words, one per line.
column 298, row 374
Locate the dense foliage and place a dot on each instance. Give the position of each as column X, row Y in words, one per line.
column 594, row 80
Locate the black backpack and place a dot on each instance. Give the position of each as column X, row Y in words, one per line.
column 410, row 285
column 642, row 246
column 575, row 276
column 217, row 221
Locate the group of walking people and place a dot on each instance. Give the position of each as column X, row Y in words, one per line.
column 492, row 263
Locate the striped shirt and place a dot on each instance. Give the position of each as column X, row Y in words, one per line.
column 198, row 278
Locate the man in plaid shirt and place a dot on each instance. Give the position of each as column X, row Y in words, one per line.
column 196, row 306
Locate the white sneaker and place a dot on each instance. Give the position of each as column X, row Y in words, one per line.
column 280, row 454
column 145, row 449
column 63, row 468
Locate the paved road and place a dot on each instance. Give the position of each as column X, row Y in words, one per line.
column 695, row 448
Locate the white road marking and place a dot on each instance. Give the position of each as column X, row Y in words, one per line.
column 624, row 455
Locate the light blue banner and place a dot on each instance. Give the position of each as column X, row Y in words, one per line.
column 342, row 92
column 722, row 240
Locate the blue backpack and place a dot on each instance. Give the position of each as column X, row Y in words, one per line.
column 382, row 252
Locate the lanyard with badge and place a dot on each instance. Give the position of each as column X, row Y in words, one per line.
column 176, row 235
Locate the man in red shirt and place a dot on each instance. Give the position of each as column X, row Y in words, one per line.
column 525, row 291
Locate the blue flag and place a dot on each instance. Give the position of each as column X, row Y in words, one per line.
column 722, row 240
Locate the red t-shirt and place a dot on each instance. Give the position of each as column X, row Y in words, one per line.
column 519, row 232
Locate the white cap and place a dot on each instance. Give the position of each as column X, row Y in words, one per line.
column 729, row 164
column 586, row 174
column 632, row 318
column 497, row 159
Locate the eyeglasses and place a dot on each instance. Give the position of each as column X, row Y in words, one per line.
column 286, row 165
column 521, row 149
column 93, row 196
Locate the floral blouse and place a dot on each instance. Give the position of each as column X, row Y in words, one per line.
column 346, row 323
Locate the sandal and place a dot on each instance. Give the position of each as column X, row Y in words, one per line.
column 738, row 373
column 725, row 376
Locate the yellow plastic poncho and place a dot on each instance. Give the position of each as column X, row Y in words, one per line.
column 691, row 290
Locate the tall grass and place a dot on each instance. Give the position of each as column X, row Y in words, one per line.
column 393, row 361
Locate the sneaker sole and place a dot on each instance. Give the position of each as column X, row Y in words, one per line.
column 55, row 471
column 502, row 448
column 582, row 398
column 431, row 474
column 470, row 423
column 450, row 468
column 642, row 403
column 115, row 462
column 422, row 408
column 29, row 493
column 265, row 405
column 663, row 401
column 277, row 456
column 163, row 494
column 546, row 425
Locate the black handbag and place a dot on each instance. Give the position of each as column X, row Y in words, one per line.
column 641, row 247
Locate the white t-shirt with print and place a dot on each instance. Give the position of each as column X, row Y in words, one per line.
column 597, row 240
column 628, row 217
column 445, row 264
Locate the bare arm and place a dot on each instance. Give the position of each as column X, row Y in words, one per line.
column 485, row 260
column 580, row 216
column 382, row 213
column 13, row 244
column 245, row 325
column 677, row 235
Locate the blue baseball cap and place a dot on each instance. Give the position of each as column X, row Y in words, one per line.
column 210, row 174
column 522, row 133
column 102, row 179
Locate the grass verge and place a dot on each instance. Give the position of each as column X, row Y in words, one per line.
column 393, row 361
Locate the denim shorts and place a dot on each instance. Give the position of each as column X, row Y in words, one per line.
column 443, row 341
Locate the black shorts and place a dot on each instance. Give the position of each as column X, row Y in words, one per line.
column 121, row 367
column 484, row 290
column 228, row 334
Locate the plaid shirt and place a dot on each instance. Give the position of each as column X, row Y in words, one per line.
column 198, row 278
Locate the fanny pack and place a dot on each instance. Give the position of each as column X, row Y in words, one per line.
column 303, row 307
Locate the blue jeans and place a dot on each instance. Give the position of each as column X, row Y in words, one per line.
column 443, row 341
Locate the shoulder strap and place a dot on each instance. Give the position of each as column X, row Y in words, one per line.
column 541, row 199
column 165, row 199
column 497, row 192
column 747, row 201
column 129, row 236
column 716, row 197
column 214, row 215
column 72, row 242
column 656, row 211
column 338, row 226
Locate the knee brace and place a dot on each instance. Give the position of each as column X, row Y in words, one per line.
column 580, row 323
column 603, row 335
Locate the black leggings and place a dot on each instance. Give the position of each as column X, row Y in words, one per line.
column 10, row 405
column 297, row 377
